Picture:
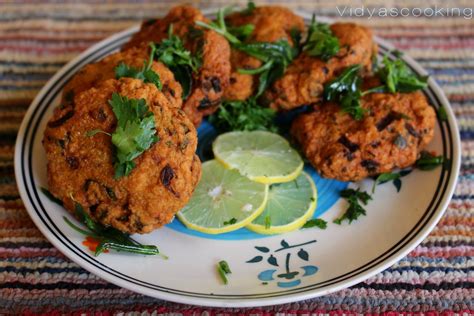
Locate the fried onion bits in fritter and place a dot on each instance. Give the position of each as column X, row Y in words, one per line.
column 95, row 73
column 212, row 77
column 81, row 160
column 397, row 127
column 304, row 80
column 271, row 23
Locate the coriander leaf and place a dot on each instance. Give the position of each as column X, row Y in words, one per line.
column 146, row 74
column 134, row 134
column 398, row 77
column 223, row 269
column 320, row 41
column 355, row 209
column 242, row 32
column 171, row 52
column 428, row 161
column 108, row 237
column 243, row 116
column 345, row 90
column 385, row 177
column 315, row 222
column 231, row 221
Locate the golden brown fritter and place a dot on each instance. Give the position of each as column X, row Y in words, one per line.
column 304, row 80
column 272, row 23
column 81, row 167
column 213, row 76
column 93, row 74
column 398, row 127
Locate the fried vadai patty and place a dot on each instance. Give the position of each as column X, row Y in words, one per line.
column 303, row 81
column 93, row 74
column 271, row 23
column 391, row 136
column 213, row 76
column 81, row 167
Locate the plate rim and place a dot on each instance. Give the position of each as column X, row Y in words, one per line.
column 247, row 301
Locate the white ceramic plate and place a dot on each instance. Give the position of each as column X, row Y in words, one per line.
column 304, row 264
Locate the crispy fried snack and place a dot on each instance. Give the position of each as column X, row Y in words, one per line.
column 398, row 127
column 93, row 74
column 304, row 80
column 213, row 76
column 81, row 167
column 271, row 23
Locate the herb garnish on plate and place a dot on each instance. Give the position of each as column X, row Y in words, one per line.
column 134, row 134
column 146, row 74
column 223, row 269
column 320, row 41
column 354, row 198
column 315, row 222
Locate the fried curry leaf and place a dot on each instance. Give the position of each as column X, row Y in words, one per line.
column 108, row 237
column 345, row 90
column 354, row 198
column 134, row 134
column 275, row 57
column 428, row 161
column 171, row 52
column 320, row 41
column 398, row 77
column 146, row 74
column 245, row 115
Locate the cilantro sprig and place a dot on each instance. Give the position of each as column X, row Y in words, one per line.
column 428, row 161
column 171, row 52
column 134, row 134
column 354, row 198
column 146, row 74
column 245, row 115
column 315, row 222
column 320, row 41
column 398, row 77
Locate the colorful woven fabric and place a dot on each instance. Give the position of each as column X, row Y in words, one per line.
column 37, row 39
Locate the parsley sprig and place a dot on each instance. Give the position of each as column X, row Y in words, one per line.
column 134, row 134
column 354, row 198
column 245, row 115
column 320, row 41
column 146, row 73
column 171, row 52
column 398, row 77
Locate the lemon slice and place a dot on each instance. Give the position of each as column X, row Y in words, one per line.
column 261, row 156
column 289, row 206
column 223, row 201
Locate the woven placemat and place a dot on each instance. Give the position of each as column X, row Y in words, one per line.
column 37, row 39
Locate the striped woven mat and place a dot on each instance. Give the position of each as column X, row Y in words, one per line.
column 37, row 39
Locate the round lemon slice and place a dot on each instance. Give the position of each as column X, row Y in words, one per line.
column 261, row 156
column 289, row 206
column 223, row 201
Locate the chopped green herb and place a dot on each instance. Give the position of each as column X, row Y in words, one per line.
column 231, row 221
column 146, row 74
column 268, row 222
column 219, row 25
column 50, row 196
column 398, row 77
column 320, row 41
column 385, row 177
column 108, row 237
column 428, row 161
column 275, row 57
column 223, row 269
column 442, row 115
column 243, row 116
column 355, row 209
column 249, row 9
column 242, row 32
column 134, row 134
column 315, row 222
column 345, row 90
column 264, row 283
column 171, row 52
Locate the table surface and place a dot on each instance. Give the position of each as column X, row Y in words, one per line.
column 36, row 40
